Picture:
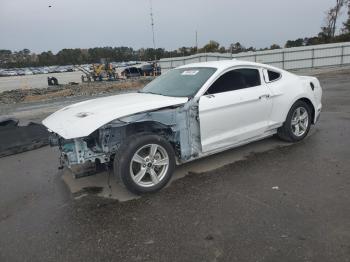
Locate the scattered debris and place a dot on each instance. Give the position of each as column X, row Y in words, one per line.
column 209, row 237
column 275, row 188
column 302, row 238
column 52, row 81
column 73, row 89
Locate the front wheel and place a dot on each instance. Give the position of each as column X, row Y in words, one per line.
column 298, row 123
column 145, row 163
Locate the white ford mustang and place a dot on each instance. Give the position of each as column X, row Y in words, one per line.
column 188, row 113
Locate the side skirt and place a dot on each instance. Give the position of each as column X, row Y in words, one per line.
column 222, row 149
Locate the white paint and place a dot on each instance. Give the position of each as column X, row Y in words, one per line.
column 225, row 119
column 230, row 117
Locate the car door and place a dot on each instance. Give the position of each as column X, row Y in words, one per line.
column 235, row 108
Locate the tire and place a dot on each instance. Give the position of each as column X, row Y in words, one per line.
column 141, row 169
column 297, row 125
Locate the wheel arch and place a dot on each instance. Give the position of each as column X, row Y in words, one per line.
column 149, row 126
column 306, row 100
column 311, row 106
column 145, row 127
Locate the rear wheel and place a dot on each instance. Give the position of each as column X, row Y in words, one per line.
column 297, row 124
column 145, row 163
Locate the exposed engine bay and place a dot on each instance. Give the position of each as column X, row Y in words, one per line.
column 177, row 124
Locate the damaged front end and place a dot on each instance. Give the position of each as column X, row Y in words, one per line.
column 179, row 125
column 81, row 155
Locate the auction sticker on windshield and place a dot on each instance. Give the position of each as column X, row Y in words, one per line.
column 190, row 73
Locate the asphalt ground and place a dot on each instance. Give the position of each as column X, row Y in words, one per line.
column 273, row 202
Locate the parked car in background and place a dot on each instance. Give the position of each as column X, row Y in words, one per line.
column 128, row 72
column 28, row 72
column 9, row 73
column 36, row 71
column 20, row 72
column 187, row 113
column 150, row 69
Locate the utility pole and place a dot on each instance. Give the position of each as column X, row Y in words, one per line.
column 196, row 42
column 152, row 24
column 154, row 41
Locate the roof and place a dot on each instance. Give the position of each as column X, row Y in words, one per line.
column 224, row 64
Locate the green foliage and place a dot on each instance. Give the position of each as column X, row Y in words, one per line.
column 274, row 46
column 295, row 43
column 211, row 47
column 237, row 48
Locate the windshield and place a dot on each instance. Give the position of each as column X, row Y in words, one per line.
column 182, row 82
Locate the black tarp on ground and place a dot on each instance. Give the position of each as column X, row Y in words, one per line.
column 16, row 139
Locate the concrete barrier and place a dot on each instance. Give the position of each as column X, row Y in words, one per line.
column 316, row 56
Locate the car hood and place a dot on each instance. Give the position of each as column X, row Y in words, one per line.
column 81, row 119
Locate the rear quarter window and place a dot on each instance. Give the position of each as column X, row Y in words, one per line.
column 273, row 76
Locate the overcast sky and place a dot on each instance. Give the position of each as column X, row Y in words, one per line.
column 86, row 23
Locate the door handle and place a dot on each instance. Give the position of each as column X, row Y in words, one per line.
column 210, row 96
column 266, row 96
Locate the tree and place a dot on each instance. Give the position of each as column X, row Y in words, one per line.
column 26, row 52
column 212, row 46
column 312, row 40
column 46, row 58
column 294, row 43
column 250, row 49
column 346, row 24
column 222, row 49
column 329, row 29
column 5, row 56
column 237, row 48
column 70, row 56
column 275, row 46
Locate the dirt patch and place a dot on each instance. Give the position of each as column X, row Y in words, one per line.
column 85, row 89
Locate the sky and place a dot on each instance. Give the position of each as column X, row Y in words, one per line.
column 34, row 25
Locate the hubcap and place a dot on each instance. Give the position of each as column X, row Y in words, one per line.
column 149, row 165
column 300, row 121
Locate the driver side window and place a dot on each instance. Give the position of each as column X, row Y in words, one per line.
column 235, row 80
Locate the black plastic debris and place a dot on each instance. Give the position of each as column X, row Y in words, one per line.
column 16, row 139
column 52, row 81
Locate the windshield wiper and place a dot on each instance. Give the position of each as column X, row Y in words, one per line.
column 153, row 93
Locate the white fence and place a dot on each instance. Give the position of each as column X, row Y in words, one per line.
column 287, row 58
